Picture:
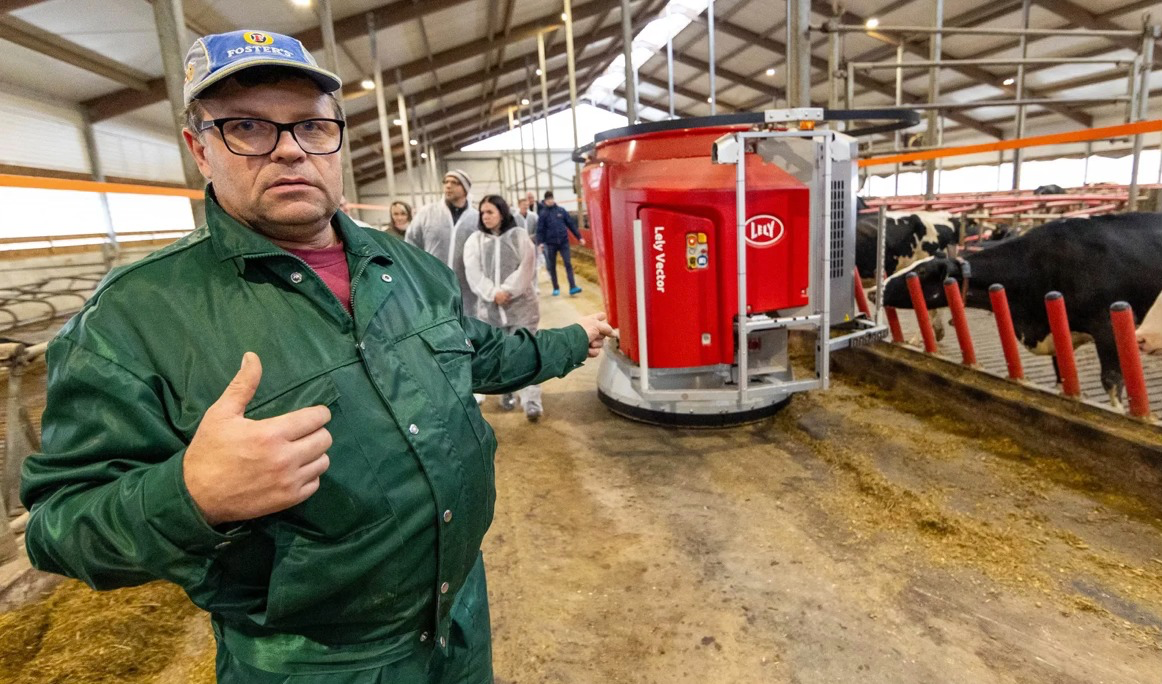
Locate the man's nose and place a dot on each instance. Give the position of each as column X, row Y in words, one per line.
column 286, row 147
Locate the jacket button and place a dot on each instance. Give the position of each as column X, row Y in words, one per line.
column 386, row 278
column 424, row 636
column 413, row 429
column 444, row 588
column 296, row 277
column 447, row 516
column 443, row 642
column 468, row 342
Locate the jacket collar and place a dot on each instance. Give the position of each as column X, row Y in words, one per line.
column 233, row 239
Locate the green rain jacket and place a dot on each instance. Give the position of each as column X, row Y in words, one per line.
column 372, row 566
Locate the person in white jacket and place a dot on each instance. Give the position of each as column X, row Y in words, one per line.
column 500, row 264
column 441, row 228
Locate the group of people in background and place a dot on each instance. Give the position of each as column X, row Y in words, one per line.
column 495, row 252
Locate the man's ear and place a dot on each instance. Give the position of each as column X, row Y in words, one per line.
column 198, row 151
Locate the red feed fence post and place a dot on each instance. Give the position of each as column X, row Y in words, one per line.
column 960, row 321
column 922, row 318
column 1062, row 344
column 1122, row 318
column 1000, row 304
column 860, row 295
column 894, row 324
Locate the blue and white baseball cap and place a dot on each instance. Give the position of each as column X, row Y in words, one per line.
column 217, row 57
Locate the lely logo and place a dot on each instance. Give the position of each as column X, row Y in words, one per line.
column 257, row 38
column 763, row 230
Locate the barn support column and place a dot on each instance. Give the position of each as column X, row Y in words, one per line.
column 630, row 80
column 381, row 109
column 1149, row 36
column 798, row 53
column 407, row 138
column 573, row 108
column 710, row 37
column 533, row 134
column 933, row 136
column 670, row 64
column 171, row 34
column 110, row 249
column 331, row 50
column 1019, row 154
column 545, row 95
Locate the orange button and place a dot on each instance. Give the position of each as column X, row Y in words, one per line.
column 691, row 239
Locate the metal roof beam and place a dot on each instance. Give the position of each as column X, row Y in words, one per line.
column 125, row 101
column 866, row 81
column 7, row 6
column 974, row 72
column 476, row 47
column 52, row 45
column 1079, row 16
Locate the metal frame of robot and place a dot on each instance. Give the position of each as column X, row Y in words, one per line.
column 728, row 150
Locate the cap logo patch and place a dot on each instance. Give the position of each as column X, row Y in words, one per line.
column 189, row 71
column 257, row 38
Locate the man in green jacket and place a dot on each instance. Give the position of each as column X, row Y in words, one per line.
column 325, row 502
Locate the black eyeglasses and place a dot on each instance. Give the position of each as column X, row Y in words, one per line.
column 249, row 137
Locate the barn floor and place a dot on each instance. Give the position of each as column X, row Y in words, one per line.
column 856, row 537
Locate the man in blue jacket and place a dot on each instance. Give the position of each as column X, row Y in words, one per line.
column 553, row 227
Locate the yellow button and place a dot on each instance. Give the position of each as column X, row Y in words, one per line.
column 702, row 238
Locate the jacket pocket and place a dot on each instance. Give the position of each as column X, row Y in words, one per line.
column 453, row 352
column 343, row 581
column 347, row 499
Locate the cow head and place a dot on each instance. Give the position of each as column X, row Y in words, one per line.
column 932, row 273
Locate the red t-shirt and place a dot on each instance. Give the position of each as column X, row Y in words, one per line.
column 331, row 265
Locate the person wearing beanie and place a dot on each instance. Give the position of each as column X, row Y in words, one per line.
column 325, row 502
column 442, row 228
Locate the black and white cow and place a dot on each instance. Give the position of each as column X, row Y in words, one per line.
column 908, row 236
column 1051, row 189
column 1150, row 331
column 1092, row 262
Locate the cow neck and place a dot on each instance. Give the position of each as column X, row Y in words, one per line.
column 986, row 270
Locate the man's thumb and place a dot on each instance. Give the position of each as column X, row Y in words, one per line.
column 242, row 388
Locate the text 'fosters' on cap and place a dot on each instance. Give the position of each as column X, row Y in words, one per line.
column 217, row 57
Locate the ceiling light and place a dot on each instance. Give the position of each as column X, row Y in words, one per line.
column 396, row 122
column 872, row 23
column 1009, row 81
column 771, row 71
column 423, row 155
column 563, row 17
column 710, row 100
column 524, row 101
column 414, row 142
column 538, row 72
column 368, row 84
column 301, row 3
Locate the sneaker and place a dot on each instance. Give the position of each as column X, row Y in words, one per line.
column 508, row 402
column 574, row 290
column 533, row 413
column 556, row 292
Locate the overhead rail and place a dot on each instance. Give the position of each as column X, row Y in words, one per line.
column 8, row 180
column 1083, row 135
column 830, row 27
column 1138, row 67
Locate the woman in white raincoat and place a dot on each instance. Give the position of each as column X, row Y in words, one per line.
column 500, row 266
